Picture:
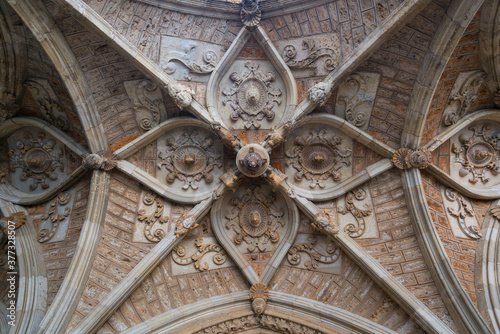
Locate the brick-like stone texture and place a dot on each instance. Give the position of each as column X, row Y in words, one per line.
column 461, row 251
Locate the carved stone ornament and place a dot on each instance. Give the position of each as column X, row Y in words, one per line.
column 320, row 92
column 463, row 93
column 209, row 58
column 104, row 161
column 325, row 223
column 289, row 54
column 250, row 13
column 190, row 158
column 8, row 106
column 255, row 219
column 259, row 293
column 179, row 255
column 185, row 225
column 315, row 257
column 317, row 156
column 495, row 211
column 156, row 217
column 359, row 214
column 252, row 160
column 19, row 218
column 252, row 95
column 463, row 210
column 478, row 154
column 55, row 217
column 38, row 159
column 182, row 95
column 44, row 95
column 148, row 102
column 405, row 158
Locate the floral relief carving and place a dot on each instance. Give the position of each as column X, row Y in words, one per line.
column 478, row 154
column 252, row 95
column 356, row 99
column 317, row 156
column 148, row 102
column 54, row 216
column 313, row 54
column 461, row 213
column 359, row 214
column 190, row 158
column 38, row 159
column 315, row 257
column 255, row 219
column 179, row 255
column 154, row 218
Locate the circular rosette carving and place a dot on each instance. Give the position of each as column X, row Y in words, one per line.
column 317, row 157
column 189, row 160
column 254, row 219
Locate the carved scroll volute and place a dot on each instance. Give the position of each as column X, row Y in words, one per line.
column 251, row 94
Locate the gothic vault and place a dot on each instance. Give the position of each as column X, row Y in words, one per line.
column 273, row 166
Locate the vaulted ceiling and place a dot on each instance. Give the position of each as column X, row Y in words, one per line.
column 180, row 166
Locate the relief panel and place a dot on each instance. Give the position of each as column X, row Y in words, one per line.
column 355, row 214
column 147, row 99
column 460, row 214
column 55, row 220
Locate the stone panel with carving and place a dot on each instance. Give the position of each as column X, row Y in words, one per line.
column 55, row 220
column 314, row 252
column 462, row 218
column 355, row 214
column 148, row 103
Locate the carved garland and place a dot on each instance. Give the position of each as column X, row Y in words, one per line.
column 477, row 154
column 252, row 96
column 179, row 255
column 189, row 158
column 255, row 219
column 317, row 156
column 315, row 257
column 359, row 214
column 56, row 218
column 289, row 54
column 38, row 160
column 152, row 219
column 461, row 213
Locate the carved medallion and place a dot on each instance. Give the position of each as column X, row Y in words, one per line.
column 255, row 219
column 317, row 156
column 252, row 96
column 405, row 158
column 190, row 158
column 38, row 159
column 252, row 160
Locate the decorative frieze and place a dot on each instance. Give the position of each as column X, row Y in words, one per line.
column 148, row 102
column 252, row 95
column 180, row 256
column 358, row 194
column 54, row 217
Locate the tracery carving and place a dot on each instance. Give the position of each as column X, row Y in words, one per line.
column 252, row 95
column 44, row 95
column 315, row 256
column 289, row 53
column 477, row 154
column 463, row 210
column 317, row 156
column 460, row 102
column 148, row 103
column 405, row 158
column 210, row 60
column 255, row 219
column 359, row 214
column 55, row 216
column 154, row 218
column 353, row 113
column 190, row 158
column 250, row 13
column 179, row 255
column 38, row 160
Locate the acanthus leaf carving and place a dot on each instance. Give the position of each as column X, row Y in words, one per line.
column 154, row 218
column 463, row 210
column 315, row 256
column 289, row 53
column 179, row 255
column 252, row 96
column 359, row 214
column 317, row 156
column 255, row 219
column 55, row 216
column 190, row 158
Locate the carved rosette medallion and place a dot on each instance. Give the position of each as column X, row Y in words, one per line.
column 38, row 159
column 477, row 154
column 255, row 219
column 252, row 160
column 317, row 156
column 405, row 158
column 252, row 96
column 190, row 158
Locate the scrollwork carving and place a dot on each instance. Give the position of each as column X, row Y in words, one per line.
column 317, row 156
column 463, row 210
column 353, row 113
column 252, row 95
column 38, row 159
column 210, row 60
column 148, row 103
column 359, row 214
column 55, row 217
column 190, row 158
column 255, row 219
column 179, row 255
column 477, row 154
column 155, row 218
column 315, row 257
column 289, row 53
